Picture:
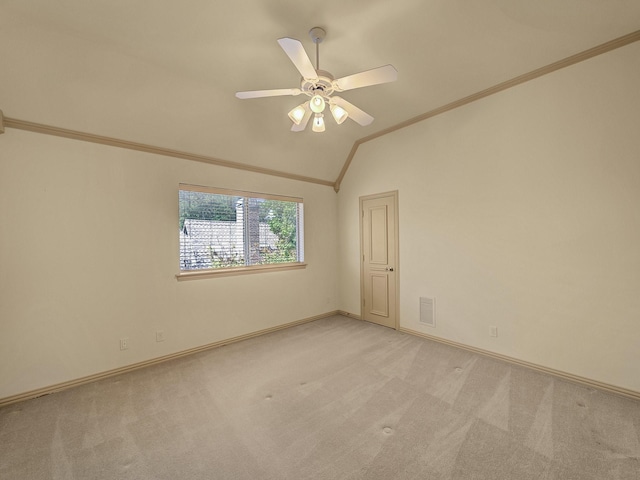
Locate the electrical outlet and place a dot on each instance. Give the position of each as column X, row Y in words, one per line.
column 493, row 331
column 124, row 343
column 160, row 336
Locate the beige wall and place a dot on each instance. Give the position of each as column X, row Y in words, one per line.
column 89, row 253
column 520, row 211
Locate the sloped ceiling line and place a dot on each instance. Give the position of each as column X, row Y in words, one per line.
column 566, row 62
column 88, row 137
column 141, row 147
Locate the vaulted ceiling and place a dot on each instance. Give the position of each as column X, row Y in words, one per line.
column 164, row 73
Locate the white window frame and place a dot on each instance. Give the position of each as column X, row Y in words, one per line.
column 246, row 269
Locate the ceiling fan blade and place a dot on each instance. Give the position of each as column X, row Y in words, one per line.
column 357, row 115
column 304, row 121
column 268, row 93
column 295, row 51
column 375, row 76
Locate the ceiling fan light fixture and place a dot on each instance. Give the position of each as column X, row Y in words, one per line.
column 297, row 114
column 320, row 86
column 318, row 123
column 317, row 104
column 339, row 113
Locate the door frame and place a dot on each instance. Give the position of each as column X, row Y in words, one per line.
column 396, row 233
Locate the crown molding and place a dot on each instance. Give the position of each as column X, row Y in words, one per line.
column 6, row 122
column 553, row 67
column 141, row 147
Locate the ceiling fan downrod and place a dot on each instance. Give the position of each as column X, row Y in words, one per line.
column 317, row 34
column 320, row 86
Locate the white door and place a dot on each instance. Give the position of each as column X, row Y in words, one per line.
column 379, row 255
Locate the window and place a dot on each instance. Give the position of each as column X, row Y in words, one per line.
column 227, row 230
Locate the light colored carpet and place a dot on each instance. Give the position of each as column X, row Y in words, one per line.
column 333, row 399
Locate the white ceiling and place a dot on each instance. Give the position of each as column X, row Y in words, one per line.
column 164, row 72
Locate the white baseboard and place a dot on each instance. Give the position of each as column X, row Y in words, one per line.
column 350, row 315
column 154, row 361
column 118, row 371
column 625, row 392
column 556, row 373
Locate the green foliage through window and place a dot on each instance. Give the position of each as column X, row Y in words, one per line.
column 218, row 230
column 205, row 206
column 282, row 219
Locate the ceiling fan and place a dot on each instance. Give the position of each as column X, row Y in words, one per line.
column 320, row 86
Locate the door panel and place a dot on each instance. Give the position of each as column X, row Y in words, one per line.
column 379, row 255
column 379, row 295
column 379, row 250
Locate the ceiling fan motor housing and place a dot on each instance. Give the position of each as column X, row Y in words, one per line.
column 323, row 85
column 320, row 85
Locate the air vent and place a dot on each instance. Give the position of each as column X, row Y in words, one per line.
column 428, row 311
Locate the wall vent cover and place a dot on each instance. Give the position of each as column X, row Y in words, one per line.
column 428, row 311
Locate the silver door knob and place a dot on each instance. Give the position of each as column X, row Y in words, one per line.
column 389, row 269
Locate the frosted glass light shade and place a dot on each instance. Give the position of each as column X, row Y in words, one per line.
column 317, row 104
column 339, row 114
column 297, row 114
column 318, row 123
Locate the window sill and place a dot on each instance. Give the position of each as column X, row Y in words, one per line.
column 225, row 272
